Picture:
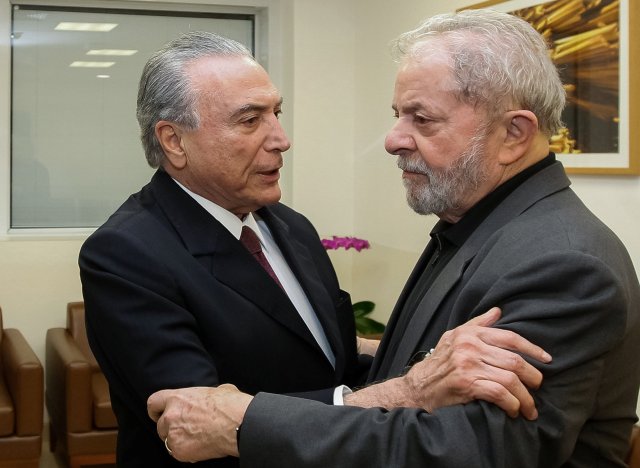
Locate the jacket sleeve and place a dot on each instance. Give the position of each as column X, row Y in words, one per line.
column 138, row 323
column 572, row 305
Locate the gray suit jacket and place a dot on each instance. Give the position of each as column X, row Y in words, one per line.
column 565, row 282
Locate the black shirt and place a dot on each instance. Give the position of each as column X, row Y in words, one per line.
column 447, row 238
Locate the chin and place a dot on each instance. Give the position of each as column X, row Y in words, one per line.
column 271, row 198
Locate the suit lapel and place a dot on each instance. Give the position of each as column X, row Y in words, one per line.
column 234, row 266
column 427, row 309
column 383, row 360
column 537, row 187
column 304, row 268
column 218, row 251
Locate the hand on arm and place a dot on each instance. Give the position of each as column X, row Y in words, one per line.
column 199, row 423
column 471, row 362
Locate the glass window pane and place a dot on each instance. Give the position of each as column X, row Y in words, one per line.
column 75, row 150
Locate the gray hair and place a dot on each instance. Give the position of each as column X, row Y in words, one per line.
column 165, row 93
column 498, row 61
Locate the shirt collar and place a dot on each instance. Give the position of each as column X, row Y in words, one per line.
column 459, row 232
column 231, row 222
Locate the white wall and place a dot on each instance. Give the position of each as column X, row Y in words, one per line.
column 323, row 163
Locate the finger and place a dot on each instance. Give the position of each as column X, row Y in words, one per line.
column 507, row 339
column 157, row 403
column 229, row 388
column 514, row 387
column 162, row 428
column 495, row 393
column 510, row 361
column 507, row 392
column 513, row 384
column 487, row 319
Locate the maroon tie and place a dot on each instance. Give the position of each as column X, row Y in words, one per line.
column 252, row 243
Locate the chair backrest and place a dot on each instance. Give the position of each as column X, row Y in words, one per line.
column 76, row 327
column 634, row 451
column 1, row 335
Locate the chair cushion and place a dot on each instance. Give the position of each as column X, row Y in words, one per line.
column 7, row 412
column 103, row 416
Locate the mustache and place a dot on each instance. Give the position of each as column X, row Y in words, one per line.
column 277, row 164
column 416, row 165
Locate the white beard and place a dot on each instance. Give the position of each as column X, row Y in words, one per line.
column 446, row 189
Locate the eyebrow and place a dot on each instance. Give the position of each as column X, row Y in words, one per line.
column 415, row 106
column 411, row 107
column 251, row 107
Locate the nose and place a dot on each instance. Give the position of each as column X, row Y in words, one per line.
column 277, row 139
column 399, row 139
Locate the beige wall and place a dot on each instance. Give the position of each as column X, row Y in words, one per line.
column 337, row 82
column 37, row 279
column 323, row 108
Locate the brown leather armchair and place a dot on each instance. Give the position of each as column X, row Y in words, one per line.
column 21, row 405
column 634, row 450
column 82, row 425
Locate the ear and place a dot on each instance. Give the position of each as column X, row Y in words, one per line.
column 170, row 137
column 521, row 130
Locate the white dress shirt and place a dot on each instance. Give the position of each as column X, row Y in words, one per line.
column 281, row 268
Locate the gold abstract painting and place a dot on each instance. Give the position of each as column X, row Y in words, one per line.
column 586, row 43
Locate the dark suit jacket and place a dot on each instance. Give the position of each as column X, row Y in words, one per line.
column 566, row 283
column 174, row 300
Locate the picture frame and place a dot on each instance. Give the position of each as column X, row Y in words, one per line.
column 592, row 46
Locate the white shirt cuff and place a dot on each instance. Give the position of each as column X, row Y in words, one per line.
column 339, row 393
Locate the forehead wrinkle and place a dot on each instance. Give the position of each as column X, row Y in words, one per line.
column 420, row 103
column 426, row 84
column 413, row 106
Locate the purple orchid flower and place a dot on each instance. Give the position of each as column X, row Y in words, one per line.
column 337, row 242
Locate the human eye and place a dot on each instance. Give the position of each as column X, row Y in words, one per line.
column 420, row 119
column 277, row 113
column 250, row 120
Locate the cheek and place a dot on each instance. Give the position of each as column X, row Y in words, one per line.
column 224, row 170
column 431, row 152
column 439, row 153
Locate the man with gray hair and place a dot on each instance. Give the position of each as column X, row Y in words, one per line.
column 476, row 100
column 203, row 277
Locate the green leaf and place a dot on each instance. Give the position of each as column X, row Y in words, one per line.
column 362, row 308
column 367, row 326
column 364, row 324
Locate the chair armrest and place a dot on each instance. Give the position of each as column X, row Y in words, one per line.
column 633, row 457
column 24, row 376
column 68, row 390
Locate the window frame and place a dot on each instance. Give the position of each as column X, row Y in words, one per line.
column 268, row 39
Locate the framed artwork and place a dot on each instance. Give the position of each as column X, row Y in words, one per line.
column 597, row 53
